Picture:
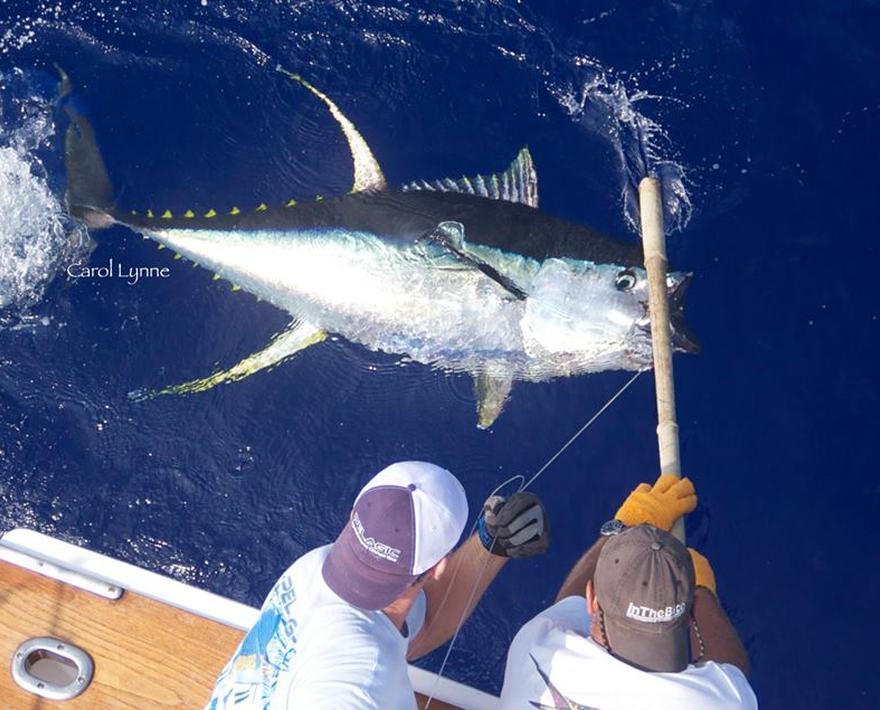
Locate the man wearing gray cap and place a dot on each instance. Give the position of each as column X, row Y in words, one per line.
column 636, row 625
column 337, row 629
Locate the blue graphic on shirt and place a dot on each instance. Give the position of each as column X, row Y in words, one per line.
column 264, row 653
column 254, row 647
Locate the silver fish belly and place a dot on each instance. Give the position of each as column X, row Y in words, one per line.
column 398, row 299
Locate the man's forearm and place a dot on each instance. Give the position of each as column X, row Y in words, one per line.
column 575, row 583
column 452, row 598
column 721, row 643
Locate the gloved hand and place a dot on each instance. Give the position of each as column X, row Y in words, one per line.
column 703, row 571
column 659, row 505
column 515, row 526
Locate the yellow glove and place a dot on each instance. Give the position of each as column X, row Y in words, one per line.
column 703, row 571
column 660, row 505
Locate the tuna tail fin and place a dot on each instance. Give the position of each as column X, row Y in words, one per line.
column 89, row 193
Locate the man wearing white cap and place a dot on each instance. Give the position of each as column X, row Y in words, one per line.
column 637, row 624
column 338, row 627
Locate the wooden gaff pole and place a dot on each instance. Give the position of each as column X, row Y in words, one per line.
column 654, row 245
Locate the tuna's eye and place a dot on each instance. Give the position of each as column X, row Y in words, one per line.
column 625, row 280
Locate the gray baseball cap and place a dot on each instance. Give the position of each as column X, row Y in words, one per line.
column 645, row 585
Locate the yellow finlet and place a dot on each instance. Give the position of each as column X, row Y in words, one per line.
column 216, row 277
column 134, row 213
column 189, row 214
column 161, row 247
column 318, row 198
column 235, row 210
column 210, row 213
column 236, row 287
column 150, row 213
column 262, row 207
column 167, row 214
column 178, row 257
column 291, row 203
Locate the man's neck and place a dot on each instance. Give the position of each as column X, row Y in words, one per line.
column 398, row 610
column 596, row 635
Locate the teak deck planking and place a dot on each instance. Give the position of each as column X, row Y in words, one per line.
column 147, row 654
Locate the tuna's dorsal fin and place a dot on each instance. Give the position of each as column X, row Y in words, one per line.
column 519, row 183
column 491, row 393
column 298, row 336
column 449, row 236
column 367, row 173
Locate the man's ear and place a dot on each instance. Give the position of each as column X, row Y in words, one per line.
column 592, row 605
column 439, row 568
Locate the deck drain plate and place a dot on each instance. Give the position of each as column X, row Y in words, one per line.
column 52, row 668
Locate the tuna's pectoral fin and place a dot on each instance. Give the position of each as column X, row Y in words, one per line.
column 492, row 393
column 450, row 237
column 298, row 336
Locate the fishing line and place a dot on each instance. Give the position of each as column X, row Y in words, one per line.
column 524, row 485
column 473, row 591
column 582, row 430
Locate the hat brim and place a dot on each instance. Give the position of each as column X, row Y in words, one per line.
column 666, row 651
column 352, row 578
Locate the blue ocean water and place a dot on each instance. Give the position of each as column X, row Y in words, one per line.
column 761, row 116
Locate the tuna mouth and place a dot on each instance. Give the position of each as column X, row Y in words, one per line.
column 682, row 337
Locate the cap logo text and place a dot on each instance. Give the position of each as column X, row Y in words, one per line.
column 380, row 549
column 655, row 616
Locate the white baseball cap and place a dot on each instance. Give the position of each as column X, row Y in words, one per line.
column 403, row 522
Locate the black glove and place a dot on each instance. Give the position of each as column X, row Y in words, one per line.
column 515, row 526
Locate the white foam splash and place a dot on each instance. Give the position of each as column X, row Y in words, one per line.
column 603, row 104
column 37, row 238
